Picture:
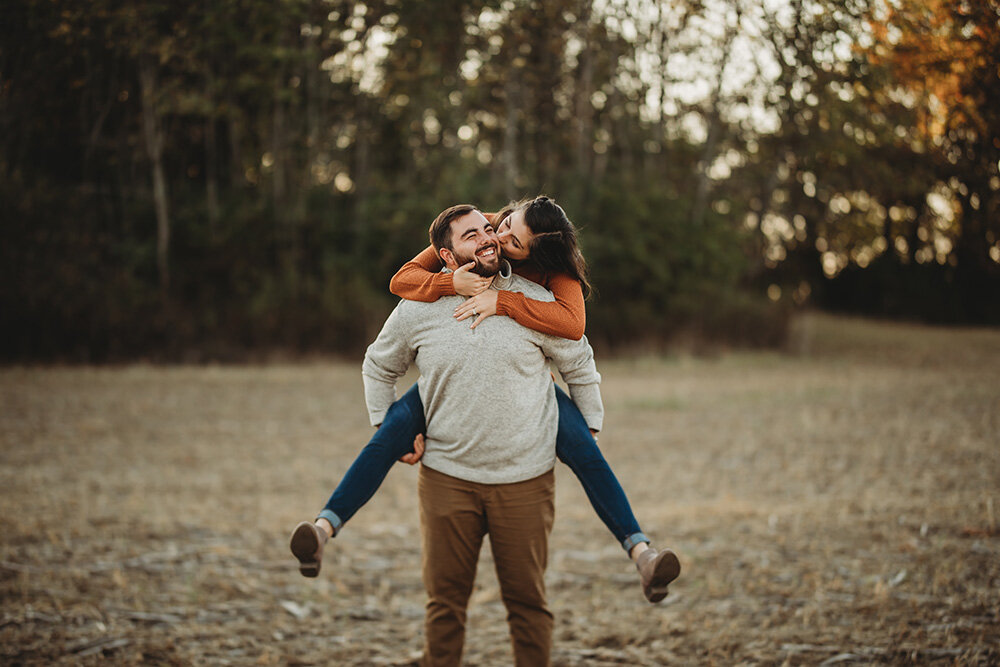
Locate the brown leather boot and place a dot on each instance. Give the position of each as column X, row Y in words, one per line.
column 656, row 570
column 307, row 545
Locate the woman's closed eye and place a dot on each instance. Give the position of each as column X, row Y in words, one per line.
column 505, row 230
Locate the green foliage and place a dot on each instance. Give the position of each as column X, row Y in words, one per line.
column 659, row 275
column 303, row 147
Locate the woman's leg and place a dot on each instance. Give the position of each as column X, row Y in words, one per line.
column 576, row 447
column 393, row 439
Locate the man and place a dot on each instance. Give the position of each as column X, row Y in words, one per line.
column 490, row 442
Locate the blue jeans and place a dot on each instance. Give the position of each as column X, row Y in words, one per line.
column 575, row 447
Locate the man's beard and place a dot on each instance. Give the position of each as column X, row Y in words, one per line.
column 484, row 270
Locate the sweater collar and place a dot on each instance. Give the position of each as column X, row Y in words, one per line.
column 503, row 276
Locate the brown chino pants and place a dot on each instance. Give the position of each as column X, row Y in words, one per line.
column 454, row 517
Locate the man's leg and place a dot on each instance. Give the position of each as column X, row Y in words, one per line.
column 520, row 519
column 452, row 524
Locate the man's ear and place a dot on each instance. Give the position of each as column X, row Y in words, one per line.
column 448, row 257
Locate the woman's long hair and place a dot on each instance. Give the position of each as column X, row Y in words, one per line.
column 554, row 247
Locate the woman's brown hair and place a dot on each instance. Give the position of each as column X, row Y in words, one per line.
column 554, row 247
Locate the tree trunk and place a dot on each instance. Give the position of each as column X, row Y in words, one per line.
column 278, row 154
column 583, row 111
column 236, row 170
column 714, row 130
column 362, row 168
column 211, row 165
column 510, row 136
column 584, row 120
column 312, row 118
column 704, row 181
column 153, row 133
column 286, row 232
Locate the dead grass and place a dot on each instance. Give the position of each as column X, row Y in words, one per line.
column 838, row 504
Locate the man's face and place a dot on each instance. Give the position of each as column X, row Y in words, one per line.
column 473, row 240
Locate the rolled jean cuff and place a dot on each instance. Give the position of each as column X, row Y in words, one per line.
column 335, row 520
column 632, row 540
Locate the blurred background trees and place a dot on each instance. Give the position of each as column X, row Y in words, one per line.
column 201, row 179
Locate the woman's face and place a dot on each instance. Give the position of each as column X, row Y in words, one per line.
column 515, row 237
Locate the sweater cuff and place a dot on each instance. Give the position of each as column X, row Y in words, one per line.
column 595, row 422
column 505, row 301
column 444, row 284
column 376, row 418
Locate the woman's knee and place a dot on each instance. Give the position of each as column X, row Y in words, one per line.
column 403, row 422
column 578, row 449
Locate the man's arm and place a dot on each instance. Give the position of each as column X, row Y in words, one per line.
column 575, row 361
column 386, row 360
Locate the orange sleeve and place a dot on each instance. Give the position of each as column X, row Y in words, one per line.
column 421, row 279
column 566, row 317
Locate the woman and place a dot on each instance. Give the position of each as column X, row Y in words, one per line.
column 540, row 242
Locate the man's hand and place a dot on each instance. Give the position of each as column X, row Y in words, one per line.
column 466, row 282
column 418, row 450
column 480, row 306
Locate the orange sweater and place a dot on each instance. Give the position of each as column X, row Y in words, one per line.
column 421, row 279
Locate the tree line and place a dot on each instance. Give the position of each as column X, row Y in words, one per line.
column 206, row 179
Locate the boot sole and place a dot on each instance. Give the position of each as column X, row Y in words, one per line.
column 304, row 547
column 668, row 569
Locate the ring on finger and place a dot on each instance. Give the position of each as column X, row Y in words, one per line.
column 474, row 312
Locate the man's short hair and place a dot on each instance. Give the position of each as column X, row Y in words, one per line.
column 440, row 231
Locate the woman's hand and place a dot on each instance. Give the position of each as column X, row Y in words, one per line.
column 480, row 306
column 468, row 283
column 418, row 450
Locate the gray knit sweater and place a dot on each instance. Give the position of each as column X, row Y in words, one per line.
column 487, row 392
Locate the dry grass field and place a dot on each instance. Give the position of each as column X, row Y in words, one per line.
column 835, row 504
